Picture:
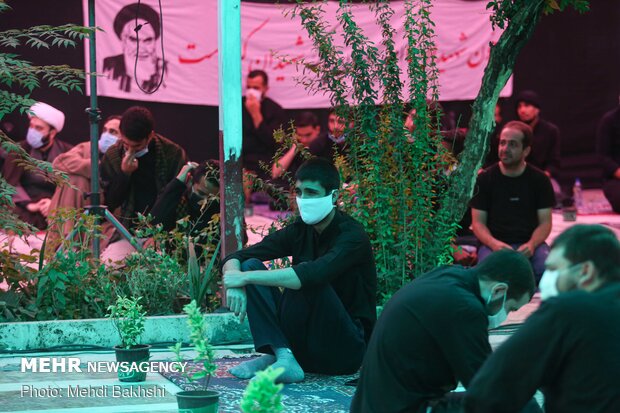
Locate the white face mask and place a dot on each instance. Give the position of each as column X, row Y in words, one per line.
column 314, row 210
column 549, row 284
column 35, row 138
column 106, row 140
column 497, row 319
column 255, row 93
column 141, row 152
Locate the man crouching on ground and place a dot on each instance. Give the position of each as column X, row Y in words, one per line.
column 317, row 315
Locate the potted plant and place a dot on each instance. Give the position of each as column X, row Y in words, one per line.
column 128, row 317
column 201, row 400
column 262, row 395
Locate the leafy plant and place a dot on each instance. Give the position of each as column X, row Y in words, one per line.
column 393, row 176
column 128, row 317
column 18, row 78
column 402, row 186
column 262, row 395
column 198, row 339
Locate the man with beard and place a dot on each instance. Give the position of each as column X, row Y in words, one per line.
column 511, row 208
column 34, row 192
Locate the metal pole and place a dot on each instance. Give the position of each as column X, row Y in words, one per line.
column 231, row 192
column 94, row 117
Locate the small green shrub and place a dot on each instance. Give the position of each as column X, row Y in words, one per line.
column 128, row 317
column 198, row 339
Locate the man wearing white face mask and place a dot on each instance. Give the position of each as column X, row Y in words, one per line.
column 433, row 333
column 76, row 164
column 137, row 168
column 34, row 192
column 322, row 318
column 569, row 347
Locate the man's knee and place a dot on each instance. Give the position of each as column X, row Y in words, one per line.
column 538, row 260
column 252, row 264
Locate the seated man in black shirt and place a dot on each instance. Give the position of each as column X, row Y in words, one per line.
column 512, row 203
column 569, row 347
column 317, row 315
column 433, row 332
column 138, row 167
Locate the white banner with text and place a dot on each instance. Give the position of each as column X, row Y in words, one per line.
column 134, row 65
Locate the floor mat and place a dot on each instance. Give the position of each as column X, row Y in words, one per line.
column 315, row 394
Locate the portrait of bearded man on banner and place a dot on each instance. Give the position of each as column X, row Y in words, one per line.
column 138, row 28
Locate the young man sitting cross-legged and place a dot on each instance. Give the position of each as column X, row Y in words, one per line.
column 317, row 315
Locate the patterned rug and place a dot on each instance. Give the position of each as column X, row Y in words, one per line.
column 317, row 393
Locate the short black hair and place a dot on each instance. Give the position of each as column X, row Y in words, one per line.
column 137, row 123
column 524, row 128
column 319, row 170
column 210, row 169
column 594, row 243
column 261, row 73
column 306, row 118
column 530, row 97
column 140, row 10
column 510, row 267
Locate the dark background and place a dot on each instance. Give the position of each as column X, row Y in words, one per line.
column 572, row 61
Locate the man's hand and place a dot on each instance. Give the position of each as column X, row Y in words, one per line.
column 527, row 249
column 129, row 164
column 42, row 206
column 184, row 172
column 498, row 245
column 237, row 302
column 234, row 279
column 252, row 104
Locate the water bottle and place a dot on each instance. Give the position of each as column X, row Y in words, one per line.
column 578, row 195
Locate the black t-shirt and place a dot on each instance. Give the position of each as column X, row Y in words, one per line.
column 569, row 349
column 512, row 203
column 431, row 335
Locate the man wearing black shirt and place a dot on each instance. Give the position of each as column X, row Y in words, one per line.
column 545, row 147
column 261, row 117
column 138, row 167
column 569, row 347
column 433, row 332
column 322, row 318
column 512, row 204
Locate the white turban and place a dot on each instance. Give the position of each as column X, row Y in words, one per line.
column 49, row 115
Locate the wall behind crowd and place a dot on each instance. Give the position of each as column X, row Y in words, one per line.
column 572, row 61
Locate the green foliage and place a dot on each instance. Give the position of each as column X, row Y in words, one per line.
column 18, row 73
column 505, row 10
column 128, row 317
column 262, row 395
column 394, row 176
column 198, row 339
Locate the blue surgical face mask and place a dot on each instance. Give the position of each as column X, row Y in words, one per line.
column 105, row 141
column 35, row 138
column 498, row 318
column 142, row 152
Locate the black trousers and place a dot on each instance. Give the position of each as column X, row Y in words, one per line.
column 312, row 322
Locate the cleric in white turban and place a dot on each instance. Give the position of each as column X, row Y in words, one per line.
column 33, row 190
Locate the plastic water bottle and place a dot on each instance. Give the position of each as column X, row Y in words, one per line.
column 578, row 195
